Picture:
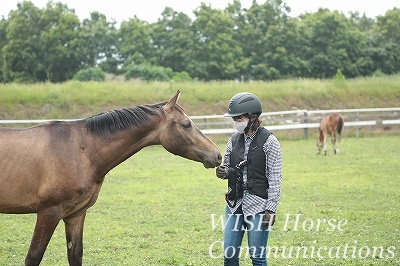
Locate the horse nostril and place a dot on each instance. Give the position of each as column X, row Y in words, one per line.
column 219, row 158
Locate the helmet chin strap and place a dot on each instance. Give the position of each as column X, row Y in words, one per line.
column 250, row 123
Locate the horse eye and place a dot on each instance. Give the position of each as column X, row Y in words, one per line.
column 187, row 125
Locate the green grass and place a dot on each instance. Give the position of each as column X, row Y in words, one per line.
column 156, row 208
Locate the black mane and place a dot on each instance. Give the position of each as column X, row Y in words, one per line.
column 112, row 121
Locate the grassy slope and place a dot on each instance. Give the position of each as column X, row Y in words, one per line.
column 78, row 100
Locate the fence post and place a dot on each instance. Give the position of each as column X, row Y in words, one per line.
column 357, row 128
column 306, row 128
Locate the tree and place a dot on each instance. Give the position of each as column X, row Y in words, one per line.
column 216, row 55
column 20, row 53
column 40, row 44
column 244, row 34
column 261, row 42
column 59, row 55
column 386, row 41
column 364, row 23
column 134, row 42
column 334, row 42
column 263, row 24
column 3, row 41
column 173, row 40
column 97, row 41
column 284, row 53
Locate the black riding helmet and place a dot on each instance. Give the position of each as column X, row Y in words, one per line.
column 244, row 103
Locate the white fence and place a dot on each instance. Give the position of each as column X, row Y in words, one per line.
column 304, row 119
column 284, row 120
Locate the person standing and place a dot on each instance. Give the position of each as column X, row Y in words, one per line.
column 253, row 168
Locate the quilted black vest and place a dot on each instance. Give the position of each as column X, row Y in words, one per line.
column 257, row 183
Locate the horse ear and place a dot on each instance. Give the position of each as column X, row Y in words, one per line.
column 172, row 102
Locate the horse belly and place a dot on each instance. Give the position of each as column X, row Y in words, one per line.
column 19, row 181
column 18, row 191
column 17, row 199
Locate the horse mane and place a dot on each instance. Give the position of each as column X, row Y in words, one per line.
column 115, row 120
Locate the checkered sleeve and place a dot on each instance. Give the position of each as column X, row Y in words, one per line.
column 273, row 154
column 228, row 151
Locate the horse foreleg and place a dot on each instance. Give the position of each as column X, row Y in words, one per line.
column 325, row 146
column 74, row 235
column 46, row 222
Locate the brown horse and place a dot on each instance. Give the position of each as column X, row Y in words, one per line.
column 56, row 169
column 331, row 125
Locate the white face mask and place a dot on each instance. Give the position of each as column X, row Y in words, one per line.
column 240, row 126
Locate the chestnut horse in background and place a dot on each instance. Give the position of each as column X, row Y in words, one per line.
column 56, row 169
column 331, row 125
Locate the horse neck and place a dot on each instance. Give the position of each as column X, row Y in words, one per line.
column 116, row 147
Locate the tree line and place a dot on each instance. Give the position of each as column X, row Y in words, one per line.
column 262, row 42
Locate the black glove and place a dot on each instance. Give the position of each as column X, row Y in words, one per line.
column 221, row 172
column 269, row 218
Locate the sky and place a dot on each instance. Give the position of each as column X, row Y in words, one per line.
column 150, row 10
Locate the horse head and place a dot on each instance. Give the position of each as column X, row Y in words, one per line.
column 180, row 136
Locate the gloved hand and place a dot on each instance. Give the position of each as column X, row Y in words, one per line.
column 269, row 218
column 221, row 172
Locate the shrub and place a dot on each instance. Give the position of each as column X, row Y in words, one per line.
column 154, row 73
column 90, row 74
column 378, row 73
column 181, row 76
column 339, row 75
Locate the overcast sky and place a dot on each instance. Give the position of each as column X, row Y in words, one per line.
column 150, row 10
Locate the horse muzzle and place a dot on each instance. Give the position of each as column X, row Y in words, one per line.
column 213, row 162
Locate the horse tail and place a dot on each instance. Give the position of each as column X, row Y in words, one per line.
column 340, row 125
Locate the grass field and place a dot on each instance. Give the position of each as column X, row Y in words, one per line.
column 157, row 209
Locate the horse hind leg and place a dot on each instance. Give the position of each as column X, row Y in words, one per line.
column 334, row 143
column 46, row 222
column 338, row 142
column 74, row 236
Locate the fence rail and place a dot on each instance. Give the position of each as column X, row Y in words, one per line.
column 282, row 120
column 304, row 119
